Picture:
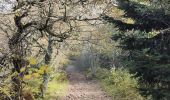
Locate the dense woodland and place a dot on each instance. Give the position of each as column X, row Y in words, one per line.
column 122, row 44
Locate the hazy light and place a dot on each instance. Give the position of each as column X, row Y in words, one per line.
column 7, row 5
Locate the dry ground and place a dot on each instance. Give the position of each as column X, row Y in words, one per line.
column 80, row 88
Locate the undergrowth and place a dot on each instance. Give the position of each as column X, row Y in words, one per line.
column 119, row 84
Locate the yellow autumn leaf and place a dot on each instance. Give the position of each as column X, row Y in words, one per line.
column 44, row 67
column 32, row 61
column 130, row 21
column 22, row 69
column 48, row 70
column 18, row 12
column 27, row 77
column 41, row 71
column 36, row 75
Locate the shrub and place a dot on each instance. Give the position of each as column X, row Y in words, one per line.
column 57, row 86
column 120, row 84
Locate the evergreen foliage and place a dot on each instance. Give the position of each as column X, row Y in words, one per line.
column 149, row 54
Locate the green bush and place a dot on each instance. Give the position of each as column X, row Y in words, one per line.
column 57, row 86
column 120, row 84
column 60, row 76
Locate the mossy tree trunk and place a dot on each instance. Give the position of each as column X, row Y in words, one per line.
column 47, row 60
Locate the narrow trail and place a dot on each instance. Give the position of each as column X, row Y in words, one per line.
column 80, row 88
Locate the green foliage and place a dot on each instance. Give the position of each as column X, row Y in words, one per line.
column 60, row 77
column 154, row 70
column 33, row 87
column 57, row 86
column 148, row 57
column 120, row 84
column 105, row 60
column 146, row 54
column 32, row 79
column 5, row 92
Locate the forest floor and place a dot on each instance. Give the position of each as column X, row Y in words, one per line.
column 81, row 88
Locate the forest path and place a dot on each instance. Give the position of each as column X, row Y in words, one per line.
column 80, row 88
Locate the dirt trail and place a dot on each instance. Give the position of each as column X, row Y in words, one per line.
column 81, row 88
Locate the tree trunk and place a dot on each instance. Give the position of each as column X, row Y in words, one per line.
column 17, row 62
column 47, row 58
